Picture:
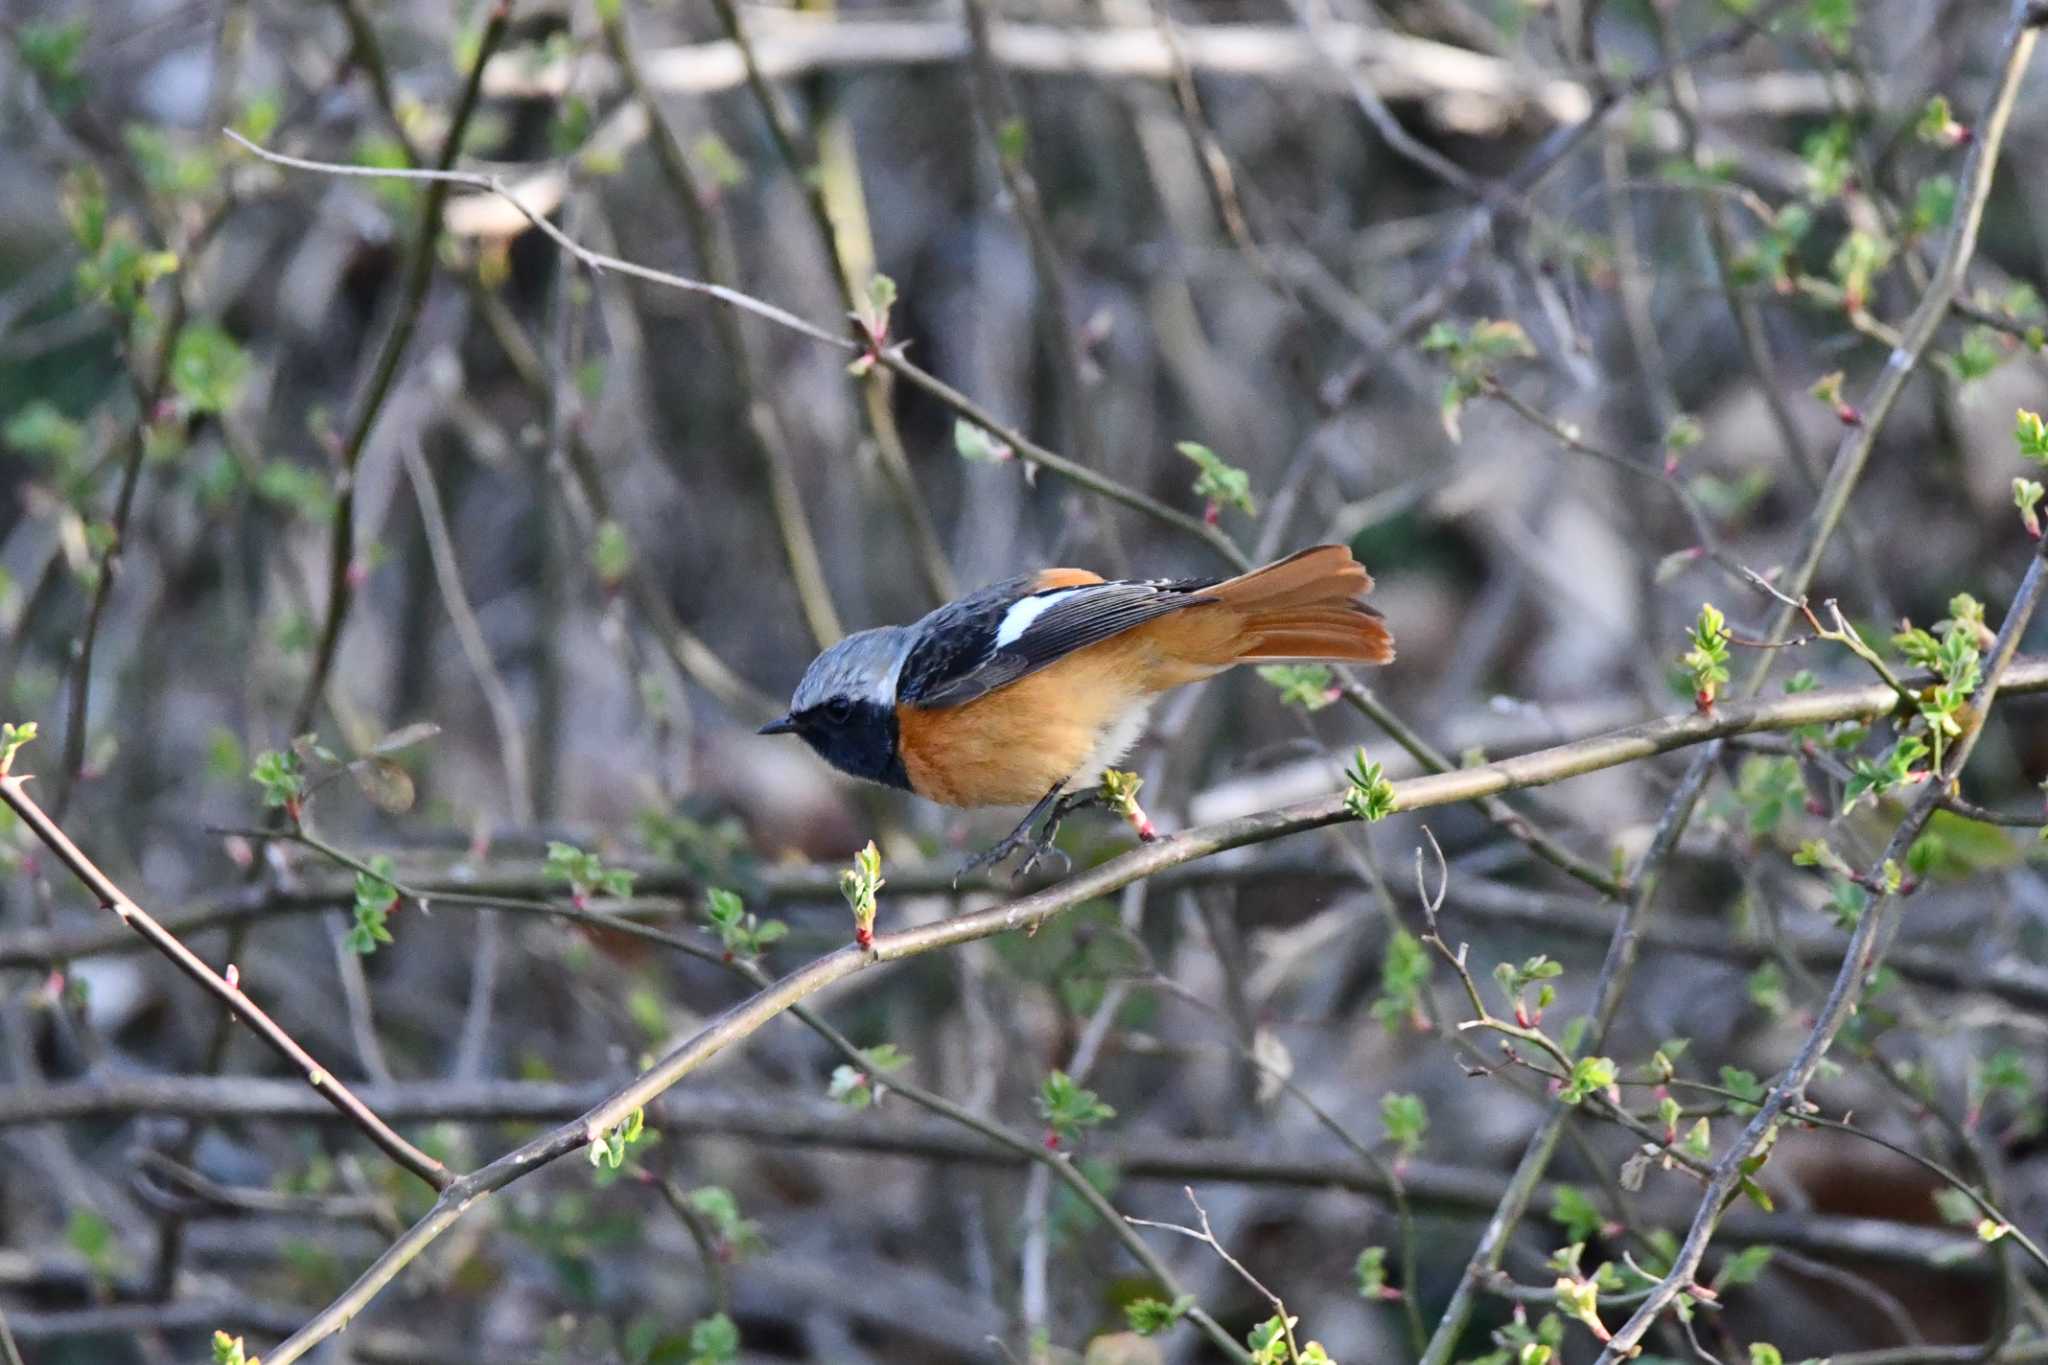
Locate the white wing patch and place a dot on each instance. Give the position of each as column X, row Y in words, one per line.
column 1025, row 610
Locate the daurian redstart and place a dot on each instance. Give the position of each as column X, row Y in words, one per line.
column 1029, row 688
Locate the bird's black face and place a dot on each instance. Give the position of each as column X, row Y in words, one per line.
column 857, row 737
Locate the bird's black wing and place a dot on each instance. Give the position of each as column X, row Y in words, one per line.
column 963, row 653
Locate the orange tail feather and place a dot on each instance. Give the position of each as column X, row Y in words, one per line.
column 1309, row 606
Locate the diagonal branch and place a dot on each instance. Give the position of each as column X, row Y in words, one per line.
column 891, row 359
column 14, row 792
column 1862, row 958
column 1918, row 333
column 740, row 1022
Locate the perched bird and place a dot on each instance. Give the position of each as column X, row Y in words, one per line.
column 1025, row 691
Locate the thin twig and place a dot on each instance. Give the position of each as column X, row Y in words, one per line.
column 1608, row 989
column 14, row 791
column 890, row 358
column 844, row 241
column 419, row 273
column 1010, row 143
column 713, row 238
column 583, row 481
column 1859, row 962
column 476, row 651
column 1973, row 191
column 742, row 1020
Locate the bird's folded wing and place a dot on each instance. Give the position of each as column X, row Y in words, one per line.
column 1038, row 629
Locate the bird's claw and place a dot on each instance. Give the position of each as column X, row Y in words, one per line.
column 1039, row 851
column 1036, row 847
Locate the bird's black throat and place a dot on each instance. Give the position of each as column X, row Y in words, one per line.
column 863, row 743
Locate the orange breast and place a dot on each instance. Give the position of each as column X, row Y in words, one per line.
column 1010, row 747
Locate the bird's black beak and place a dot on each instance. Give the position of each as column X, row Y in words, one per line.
column 781, row 725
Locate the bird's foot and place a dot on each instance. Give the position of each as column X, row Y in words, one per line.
column 1021, row 839
column 1035, row 846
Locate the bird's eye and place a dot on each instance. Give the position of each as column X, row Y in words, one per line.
column 839, row 710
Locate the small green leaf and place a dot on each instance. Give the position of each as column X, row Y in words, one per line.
column 715, row 156
column 714, row 1341
column 975, row 445
column 1012, row 139
column 1308, row 686
column 1747, row 1089
column 1370, row 1272
column 611, row 553
column 1934, row 204
column 885, row 1058
column 1589, row 1076
column 51, row 49
column 12, row 738
column 1574, row 1211
column 1149, row 1317
column 2032, row 434
column 1833, row 22
column 1936, row 121
column 742, row 935
column 859, row 885
column 259, row 115
column 585, row 872
column 1981, row 351
column 1369, row 796
column 1218, row 484
column 1707, row 660
column 282, row 776
column 851, row 1087
column 41, row 431
column 1744, row 1267
column 876, row 303
column 1829, row 165
column 169, row 165
column 1404, row 973
column 1405, row 1120
column 1069, row 1108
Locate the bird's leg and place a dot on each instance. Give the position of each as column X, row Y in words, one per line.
column 1064, row 807
column 1059, row 810
column 1020, row 837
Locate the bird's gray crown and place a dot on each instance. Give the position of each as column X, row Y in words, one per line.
column 862, row 667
